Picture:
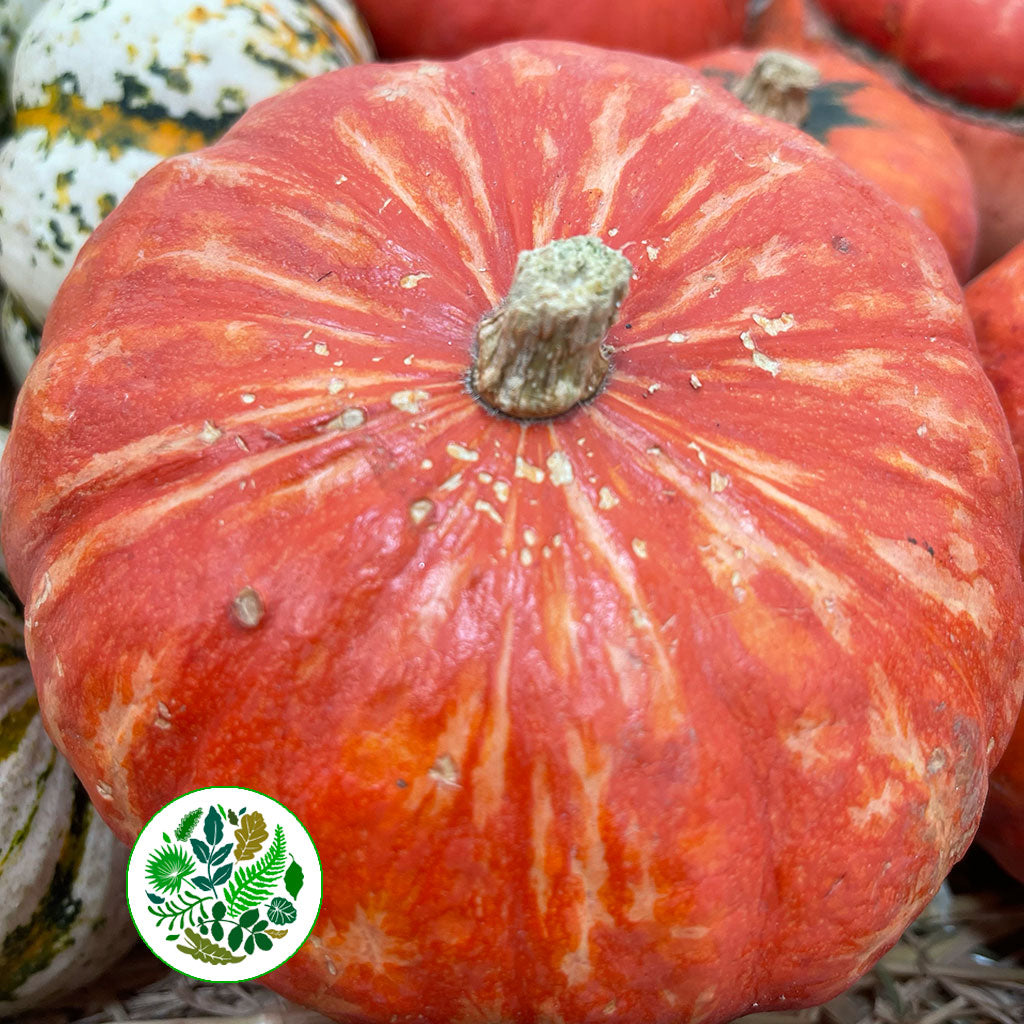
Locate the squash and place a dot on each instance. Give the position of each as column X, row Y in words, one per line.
column 104, row 89
column 451, row 28
column 788, row 25
column 996, row 302
column 927, row 39
column 14, row 18
column 976, row 90
column 63, row 916
column 19, row 338
column 633, row 623
column 870, row 124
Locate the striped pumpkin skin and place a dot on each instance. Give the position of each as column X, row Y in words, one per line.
column 680, row 703
column 105, row 89
column 996, row 303
column 884, row 135
column 63, row 916
column 451, row 28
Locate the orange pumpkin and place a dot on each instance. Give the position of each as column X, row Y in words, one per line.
column 789, row 25
column 633, row 622
column 450, row 28
column 968, row 69
column 996, row 302
column 870, row 124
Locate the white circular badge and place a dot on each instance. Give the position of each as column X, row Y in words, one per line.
column 224, row 884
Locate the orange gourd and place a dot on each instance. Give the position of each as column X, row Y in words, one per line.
column 576, row 497
column 967, row 67
column 870, row 124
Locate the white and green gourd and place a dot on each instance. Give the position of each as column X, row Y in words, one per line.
column 14, row 18
column 63, row 915
column 19, row 338
column 105, row 89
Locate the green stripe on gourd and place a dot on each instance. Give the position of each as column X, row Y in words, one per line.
column 63, row 916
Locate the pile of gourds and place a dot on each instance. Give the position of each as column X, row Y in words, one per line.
column 609, row 418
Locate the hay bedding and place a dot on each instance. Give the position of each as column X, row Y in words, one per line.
column 961, row 962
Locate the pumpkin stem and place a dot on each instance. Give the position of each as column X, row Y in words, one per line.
column 540, row 352
column 778, row 86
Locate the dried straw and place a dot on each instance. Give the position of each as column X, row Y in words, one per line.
column 961, row 962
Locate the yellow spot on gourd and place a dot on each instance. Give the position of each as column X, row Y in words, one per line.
column 348, row 420
column 108, row 126
column 409, row 401
column 488, row 510
column 461, row 452
column 419, row 510
column 559, row 468
column 774, row 326
column 526, row 471
column 411, row 280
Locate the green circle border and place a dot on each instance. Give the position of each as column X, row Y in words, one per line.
column 185, row 796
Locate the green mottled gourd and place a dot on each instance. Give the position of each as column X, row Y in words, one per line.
column 63, row 917
column 104, row 89
column 19, row 338
column 14, row 18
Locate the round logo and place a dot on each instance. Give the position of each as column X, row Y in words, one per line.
column 224, row 884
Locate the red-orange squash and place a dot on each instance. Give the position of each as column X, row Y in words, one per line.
column 973, row 53
column 870, row 124
column 965, row 63
column 451, row 28
column 996, row 303
column 677, row 702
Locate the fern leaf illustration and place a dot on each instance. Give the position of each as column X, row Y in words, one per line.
column 188, row 824
column 254, row 883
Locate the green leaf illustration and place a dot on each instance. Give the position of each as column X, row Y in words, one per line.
column 277, row 933
column 175, row 913
column 168, row 867
column 232, row 817
column 293, row 879
column 213, row 826
column 281, row 911
column 251, row 835
column 235, row 937
column 221, row 854
column 207, row 950
column 222, row 874
column 188, row 824
column 253, row 883
column 263, row 941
